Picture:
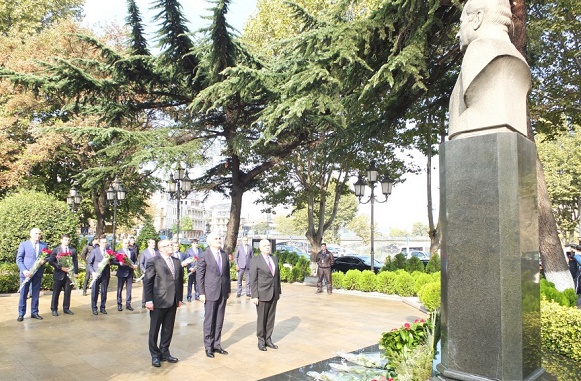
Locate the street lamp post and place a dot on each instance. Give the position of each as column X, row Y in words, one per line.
column 178, row 186
column 74, row 199
column 372, row 180
column 115, row 194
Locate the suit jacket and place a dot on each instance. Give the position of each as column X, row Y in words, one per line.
column 159, row 284
column 58, row 273
column 243, row 256
column 125, row 271
column 26, row 256
column 146, row 255
column 211, row 283
column 264, row 285
column 93, row 263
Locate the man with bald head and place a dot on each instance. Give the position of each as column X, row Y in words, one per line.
column 213, row 278
column 265, row 292
column 28, row 252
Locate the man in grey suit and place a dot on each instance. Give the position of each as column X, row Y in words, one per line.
column 28, row 252
column 102, row 282
column 266, row 290
column 145, row 256
column 213, row 278
column 242, row 259
column 164, row 289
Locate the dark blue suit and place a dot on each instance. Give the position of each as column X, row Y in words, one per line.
column 193, row 253
column 61, row 280
column 125, row 275
column 25, row 258
column 103, row 282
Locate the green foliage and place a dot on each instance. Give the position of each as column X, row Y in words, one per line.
column 350, row 279
column 420, row 279
column 388, row 265
column 285, row 274
column 304, row 265
column 567, row 298
column 385, row 282
column 337, row 278
column 402, row 340
column 25, row 210
column 434, row 265
column 430, row 295
column 399, row 262
column 560, row 331
column 404, row 284
column 366, row 281
column 9, row 268
column 559, row 366
column 297, row 274
column 47, row 282
column 9, row 282
column 414, row 264
column 146, row 233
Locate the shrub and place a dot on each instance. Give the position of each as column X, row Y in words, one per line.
column 366, row 281
column 285, row 274
column 297, row 275
column 560, row 331
column 434, row 265
column 402, row 340
column 385, row 282
column 304, row 265
column 404, row 284
column 430, row 295
column 388, row 265
column 9, row 268
column 337, row 279
column 567, row 298
column 414, row 264
column 25, row 210
column 9, row 283
column 399, row 262
column 47, row 282
column 421, row 279
column 146, row 233
column 350, row 279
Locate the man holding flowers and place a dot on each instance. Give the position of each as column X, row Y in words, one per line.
column 66, row 268
column 125, row 259
column 30, row 259
column 100, row 269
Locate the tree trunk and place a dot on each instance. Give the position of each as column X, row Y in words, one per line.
column 552, row 257
column 236, row 193
column 100, row 205
column 434, row 230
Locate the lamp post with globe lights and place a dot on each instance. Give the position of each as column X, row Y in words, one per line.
column 178, row 186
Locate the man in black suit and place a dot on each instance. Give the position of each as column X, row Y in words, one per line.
column 265, row 292
column 213, row 278
column 164, row 288
column 102, row 281
column 61, row 280
column 125, row 274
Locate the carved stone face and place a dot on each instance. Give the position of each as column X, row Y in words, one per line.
column 469, row 24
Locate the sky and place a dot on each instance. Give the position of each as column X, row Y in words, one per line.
column 408, row 201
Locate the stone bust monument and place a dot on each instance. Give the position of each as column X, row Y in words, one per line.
column 490, row 94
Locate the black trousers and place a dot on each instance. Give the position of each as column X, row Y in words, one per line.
column 324, row 273
column 164, row 319
column 121, row 281
column 60, row 285
column 265, row 322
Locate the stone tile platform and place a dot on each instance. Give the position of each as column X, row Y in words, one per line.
column 310, row 328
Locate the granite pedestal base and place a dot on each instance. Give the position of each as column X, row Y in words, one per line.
column 490, row 260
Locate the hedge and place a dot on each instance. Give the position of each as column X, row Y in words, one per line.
column 560, row 331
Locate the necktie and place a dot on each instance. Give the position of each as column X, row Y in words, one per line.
column 36, row 250
column 170, row 265
column 66, row 249
column 269, row 261
column 219, row 261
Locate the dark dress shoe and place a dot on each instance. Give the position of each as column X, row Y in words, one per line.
column 220, row 351
column 36, row 316
column 169, row 358
column 238, row 295
column 262, row 347
column 84, row 293
column 272, row 345
column 189, row 300
column 68, row 312
column 119, row 308
column 129, row 308
column 155, row 362
column 250, row 296
column 55, row 313
column 95, row 311
column 209, row 353
column 20, row 318
column 103, row 311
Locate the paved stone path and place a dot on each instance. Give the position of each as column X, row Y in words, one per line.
column 309, row 328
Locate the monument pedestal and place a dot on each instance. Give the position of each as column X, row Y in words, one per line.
column 490, row 260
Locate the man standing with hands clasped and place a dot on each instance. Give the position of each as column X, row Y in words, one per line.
column 243, row 256
column 164, row 289
column 28, row 252
column 324, row 261
column 266, row 290
column 213, row 278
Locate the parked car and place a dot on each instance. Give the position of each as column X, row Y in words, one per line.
column 292, row 249
column 355, row 262
column 422, row 255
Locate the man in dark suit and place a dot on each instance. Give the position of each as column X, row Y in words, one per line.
column 266, row 290
column 102, row 281
column 145, row 256
column 28, row 252
column 84, row 256
column 164, row 288
column 213, row 277
column 60, row 276
column 194, row 253
column 242, row 259
column 125, row 274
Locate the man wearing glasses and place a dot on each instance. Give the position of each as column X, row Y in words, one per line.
column 213, row 278
column 164, row 288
